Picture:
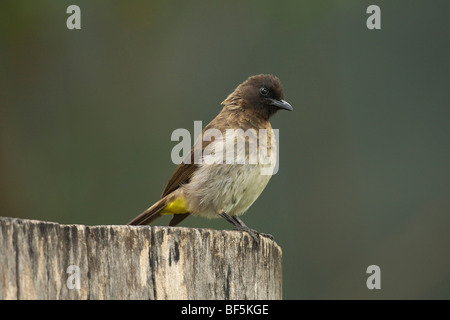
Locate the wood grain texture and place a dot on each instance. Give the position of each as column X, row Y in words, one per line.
column 135, row 262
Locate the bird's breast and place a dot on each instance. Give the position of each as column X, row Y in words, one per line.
column 235, row 169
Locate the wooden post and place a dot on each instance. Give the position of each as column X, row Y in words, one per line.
column 45, row 260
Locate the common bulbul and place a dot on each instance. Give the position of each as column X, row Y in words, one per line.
column 226, row 189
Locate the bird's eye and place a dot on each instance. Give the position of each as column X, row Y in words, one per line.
column 264, row 91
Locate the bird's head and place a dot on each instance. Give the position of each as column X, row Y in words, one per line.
column 262, row 94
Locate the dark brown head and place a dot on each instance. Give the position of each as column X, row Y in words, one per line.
column 262, row 94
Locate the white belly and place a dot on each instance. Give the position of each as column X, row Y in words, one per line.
column 231, row 188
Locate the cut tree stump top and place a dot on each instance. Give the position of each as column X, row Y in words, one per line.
column 46, row 260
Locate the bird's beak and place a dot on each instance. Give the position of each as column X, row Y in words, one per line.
column 281, row 104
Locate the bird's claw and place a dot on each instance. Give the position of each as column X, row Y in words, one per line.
column 255, row 234
column 266, row 235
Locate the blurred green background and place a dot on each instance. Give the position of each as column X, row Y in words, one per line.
column 86, row 118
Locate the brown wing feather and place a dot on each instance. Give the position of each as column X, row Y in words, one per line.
column 181, row 175
column 184, row 171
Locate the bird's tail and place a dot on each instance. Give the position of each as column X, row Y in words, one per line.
column 151, row 214
column 173, row 203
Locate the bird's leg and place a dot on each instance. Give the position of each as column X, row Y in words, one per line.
column 240, row 225
column 229, row 219
column 243, row 224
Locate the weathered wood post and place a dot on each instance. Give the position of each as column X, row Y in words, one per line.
column 45, row 260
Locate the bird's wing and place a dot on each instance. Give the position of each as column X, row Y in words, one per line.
column 181, row 176
column 184, row 172
column 185, row 169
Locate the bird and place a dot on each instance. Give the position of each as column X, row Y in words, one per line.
column 204, row 184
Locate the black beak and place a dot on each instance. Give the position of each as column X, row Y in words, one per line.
column 281, row 104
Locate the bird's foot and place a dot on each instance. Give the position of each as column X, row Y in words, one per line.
column 254, row 234
column 266, row 235
column 240, row 226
